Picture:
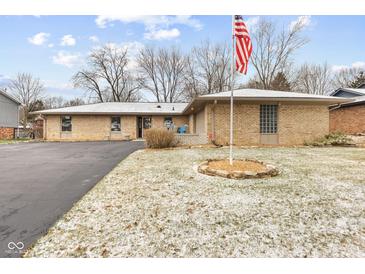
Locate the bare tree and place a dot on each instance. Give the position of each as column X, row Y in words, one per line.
column 208, row 69
column 345, row 77
column 28, row 90
column 273, row 49
column 59, row 102
column 313, row 79
column 89, row 81
column 53, row 102
column 161, row 73
column 107, row 76
column 74, row 102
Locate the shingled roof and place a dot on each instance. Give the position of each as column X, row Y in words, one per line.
column 185, row 108
column 119, row 108
column 262, row 95
column 354, row 91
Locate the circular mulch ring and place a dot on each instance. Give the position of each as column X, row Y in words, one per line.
column 241, row 169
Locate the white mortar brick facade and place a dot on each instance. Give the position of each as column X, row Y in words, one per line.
column 287, row 118
column 296, row 123
column 98, row 127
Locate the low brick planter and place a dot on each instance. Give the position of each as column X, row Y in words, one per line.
column 6, row 133
column 269, row 171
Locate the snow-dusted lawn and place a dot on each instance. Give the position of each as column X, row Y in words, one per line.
column 155, row 204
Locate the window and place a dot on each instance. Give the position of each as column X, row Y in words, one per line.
column 66, row 123
column 147, row 122
column 115, row 123
column 168, row 123
column 268, row 119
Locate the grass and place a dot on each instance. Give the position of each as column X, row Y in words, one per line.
column 155, row 204
column 14, row 141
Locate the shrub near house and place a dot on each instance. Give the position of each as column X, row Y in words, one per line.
column 160, row 138
column 332, row 139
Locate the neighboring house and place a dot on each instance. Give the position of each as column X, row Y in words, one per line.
column 348, row 92
column 260, row 117
column 349, row 117
column 9, row 115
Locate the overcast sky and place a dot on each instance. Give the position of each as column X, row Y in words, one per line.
column 54, row 47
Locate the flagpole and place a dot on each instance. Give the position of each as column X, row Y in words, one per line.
column 232, row 83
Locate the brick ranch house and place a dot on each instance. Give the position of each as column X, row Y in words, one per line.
column 349, row 117
column 260, row 117
column 9, row 115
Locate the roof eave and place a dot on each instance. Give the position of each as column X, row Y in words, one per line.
column 351, row 104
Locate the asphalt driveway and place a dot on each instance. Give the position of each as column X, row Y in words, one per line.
column 41, row 181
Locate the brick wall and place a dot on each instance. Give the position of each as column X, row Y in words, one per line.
column 297, row 123
column 158, row 121
column 129, row 126
column 246, row 123
column 301, row 123
column 200, row 122
column 192, row 139
column 97, row 127
column 350, row 120
column 6, row 133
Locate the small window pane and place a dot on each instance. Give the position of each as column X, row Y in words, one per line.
column 147, row 122
column 66, row 123
column 115, row 123
column 268, row 119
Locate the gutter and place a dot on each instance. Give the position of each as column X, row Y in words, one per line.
column 350, row 104
column 106, row 113
column 284, row 99
column 277, row 99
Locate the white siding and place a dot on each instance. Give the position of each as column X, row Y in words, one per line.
column 8, row 112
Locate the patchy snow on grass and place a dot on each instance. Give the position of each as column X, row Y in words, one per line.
column 156, row 204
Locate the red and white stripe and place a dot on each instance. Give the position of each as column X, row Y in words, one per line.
column 243, row 44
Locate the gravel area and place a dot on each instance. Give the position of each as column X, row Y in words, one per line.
column 156, row 204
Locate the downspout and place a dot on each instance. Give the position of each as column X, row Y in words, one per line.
column 17, row 122
column 213, row 121
column 336, row 107
column 44, row 127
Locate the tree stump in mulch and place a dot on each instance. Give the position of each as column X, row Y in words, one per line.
column 241, row 169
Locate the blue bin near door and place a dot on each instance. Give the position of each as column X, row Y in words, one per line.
column 183, row 129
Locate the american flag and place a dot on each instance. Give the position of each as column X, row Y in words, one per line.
column 243, row 44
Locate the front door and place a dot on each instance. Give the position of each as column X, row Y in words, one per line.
column 142, row 124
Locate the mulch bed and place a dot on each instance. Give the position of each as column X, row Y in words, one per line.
column 240, row 169
column 237, row 165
